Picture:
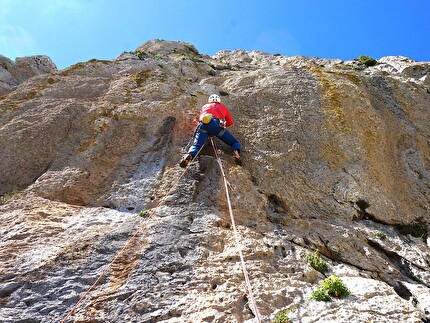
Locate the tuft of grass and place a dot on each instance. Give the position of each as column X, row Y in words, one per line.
column 159, row 56
column 330, row 287
column 380, row 234
column 316, row 262
column 143, row 214
column 140, row 55
column 368, row 61
column 417, row 279
column 282, row 316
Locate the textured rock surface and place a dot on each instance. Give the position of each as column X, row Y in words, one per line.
column 14, row 73
column 336, row 158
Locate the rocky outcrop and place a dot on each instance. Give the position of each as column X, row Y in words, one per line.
column 336, row 159
column 14, row 73
column 167, row 47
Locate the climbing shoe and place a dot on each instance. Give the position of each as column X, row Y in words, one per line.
column 185, row 160
column 236, row 156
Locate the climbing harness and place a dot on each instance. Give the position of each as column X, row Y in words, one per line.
column 200, row 129
column 236, row 235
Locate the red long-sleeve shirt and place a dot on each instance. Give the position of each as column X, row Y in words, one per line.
column 219, row 111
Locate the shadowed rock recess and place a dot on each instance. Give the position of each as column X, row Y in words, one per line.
column 336, row 159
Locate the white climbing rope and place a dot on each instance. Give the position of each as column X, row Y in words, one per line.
column 236, row 235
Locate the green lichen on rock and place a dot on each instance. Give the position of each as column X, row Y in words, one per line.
column 142, row 77
column 11, row 196
column 332, row 102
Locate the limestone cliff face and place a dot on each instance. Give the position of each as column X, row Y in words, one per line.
column 336, row 159
column 14, row 73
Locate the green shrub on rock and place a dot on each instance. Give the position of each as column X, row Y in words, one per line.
column 282, row 316
column 316, row 262
column 368, row 61
column 330, row 287
column 140, row 55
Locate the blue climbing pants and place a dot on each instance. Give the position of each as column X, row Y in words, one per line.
column 203, row 131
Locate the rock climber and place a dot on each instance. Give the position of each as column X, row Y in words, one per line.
column 213, row 120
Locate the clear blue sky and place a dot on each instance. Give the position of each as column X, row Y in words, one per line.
column 71, row 31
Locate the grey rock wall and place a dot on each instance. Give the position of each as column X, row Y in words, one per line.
column 336, row 159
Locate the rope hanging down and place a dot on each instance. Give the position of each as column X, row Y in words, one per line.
column 239, row 247
column 236, row 235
